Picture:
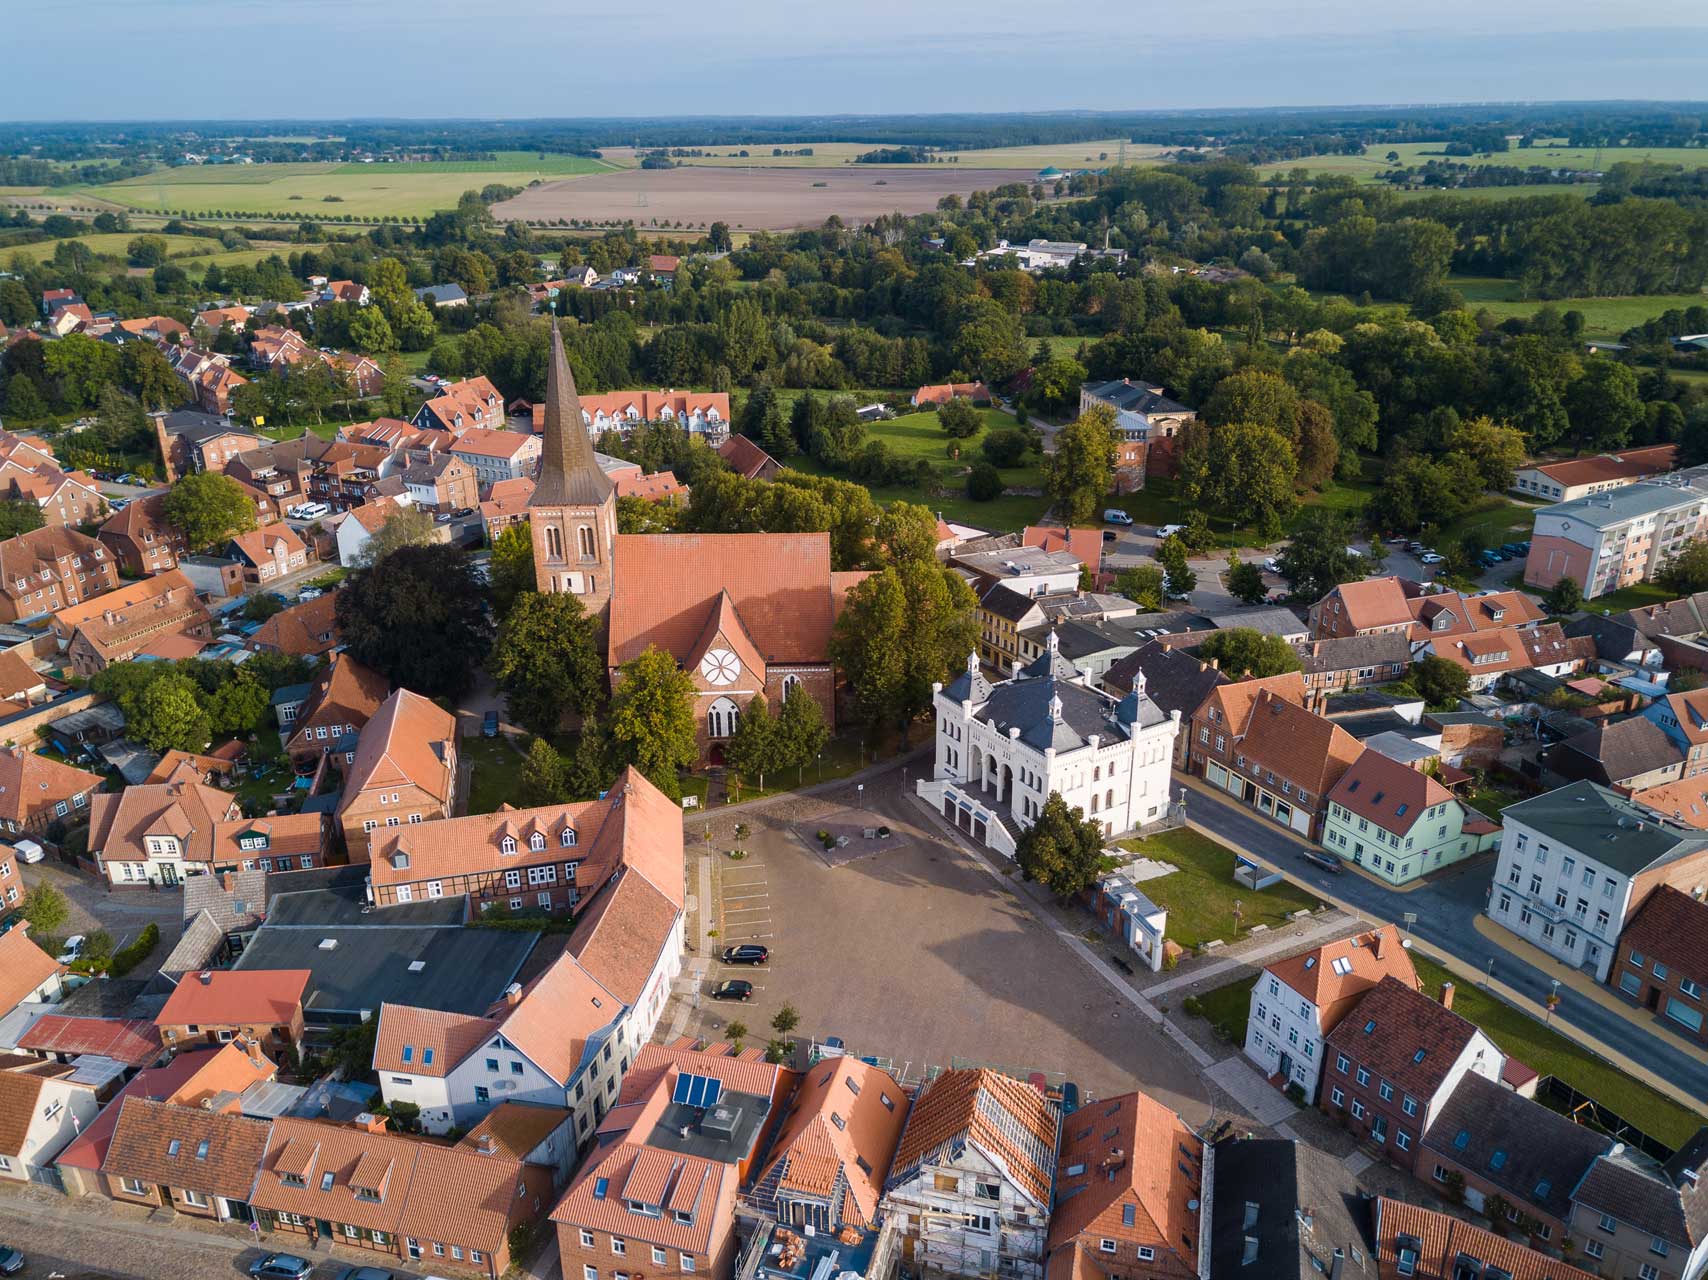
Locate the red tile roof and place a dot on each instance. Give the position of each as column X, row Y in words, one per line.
column 1628, row 464
column 1085, row 545
column 23, row 967
column 31, row 785
column 1404, row 1037
column 213, row 1152
column 235, row 997
column 133, row 1041
column 1372, row 603
column 1388, row 793
column 1008, row 1120
column 745, row 458
column 1335, row 975
column 1440, row 1239
column 1673, row 927
column 834, row 1135
column 779, row 583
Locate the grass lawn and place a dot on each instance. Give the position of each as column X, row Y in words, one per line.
column 1160, row 503
column 1227, row 1008
column 1632, row 597
column 497, row 776
column 1603, row 317
column 1373, row 162
column 842, row 756
column 1490, row 798
column 918, row 436
column 1551, row 1053
column 1493, row 518
column 1200, row 896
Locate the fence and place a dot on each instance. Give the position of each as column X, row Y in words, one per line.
column 1557, row 1095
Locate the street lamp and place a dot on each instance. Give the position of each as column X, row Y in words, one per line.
column 1553, row 1003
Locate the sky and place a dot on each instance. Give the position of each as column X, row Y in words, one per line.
column 510, row 59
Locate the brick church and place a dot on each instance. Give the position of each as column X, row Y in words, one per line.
column 742, row 613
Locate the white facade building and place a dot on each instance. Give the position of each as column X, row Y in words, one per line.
column 1003, row 749
column 1575, row 862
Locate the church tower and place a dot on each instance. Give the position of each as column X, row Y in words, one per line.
column 572, row 516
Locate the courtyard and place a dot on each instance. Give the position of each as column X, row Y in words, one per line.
column 916, row 953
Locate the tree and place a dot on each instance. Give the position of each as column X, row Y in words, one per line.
column 785, row 1019
column 418, row 618
column 1316, row 561
column 984, row 482
column 1055, row 386
column 148, row 375
column 1687, row 572
column 18, row 516
column 547, row 659
column 752, row 749
column 718, row 238
column 24, row 401
column 543, row 775
column 1243, row 651
column 1171, row 555
column 511, row 566
column 1604, row 405
column 1439, row 682
column 988, row 340
column 652, row 719
column 1005, row 447
column 169, row 716
column 1062, row 850
column 904, row 628
column 958, row 418
column 404, row 527
column 1564, row 597
column 46, row 908
column 1242, row 472
column 1142, row 584
column 207, row 508
column 1081, row 472
column 238, row 706
column 370, row 331
column 1244, row 580
column 588, row 770
column 800, row 729
column 1495, row 449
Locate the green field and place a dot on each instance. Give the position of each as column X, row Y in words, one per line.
column 1582, row 190
column 918, row 435
column 1603, row 317
column 1373, row 162
column 184, row 250
column 1026, row 161
column 301, row 190
column 1200, row 896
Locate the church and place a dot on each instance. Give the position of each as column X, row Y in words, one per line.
column 742, row 613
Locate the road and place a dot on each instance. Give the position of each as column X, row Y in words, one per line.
column 1447, row 908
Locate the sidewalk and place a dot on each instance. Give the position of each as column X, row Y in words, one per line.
column 1252, row 957
column 871, row 771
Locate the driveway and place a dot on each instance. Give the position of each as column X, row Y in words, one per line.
column 1447, row 907
column 917, row 954
column 123, row 913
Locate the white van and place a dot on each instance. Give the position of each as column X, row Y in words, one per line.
column 29, row 851
column 1114, row 515
column 308, row 511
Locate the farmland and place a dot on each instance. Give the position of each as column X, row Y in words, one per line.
column 776, row 199
column 1373, row 162
column 1603, row 317
column 826, row 155
column 183, row 250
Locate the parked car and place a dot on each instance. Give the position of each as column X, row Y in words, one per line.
column 747, row 953
column 309, row 593
column 1328, row 862
column 462, row 513
column 367, row 1273
column 1114, row 515
column 11, row 1261
column 308, row 511
column 29, row 851
column 1431, row 557
column 489, row 725
column 1169, row 530
column 10, row 921
column 1416, row 548
column 281, row 1266
column 1490, row 559
column 1109, row 535
column 734, row 989
column 1512, row 549
column 1524, row 547
column 73, row 948
column 1271, row 565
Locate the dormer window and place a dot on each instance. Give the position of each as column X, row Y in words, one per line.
column 645, row 1210
column 536, row 841
column 685, row 1219
column 568, row 837
column 400, row 861
column 507, row 845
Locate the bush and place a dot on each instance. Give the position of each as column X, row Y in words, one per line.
column 127, row 958
column 1005, row 447
column 984, row 482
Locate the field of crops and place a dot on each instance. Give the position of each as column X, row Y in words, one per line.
column 1603, row 317
column 181, row 249
column 1374, row 161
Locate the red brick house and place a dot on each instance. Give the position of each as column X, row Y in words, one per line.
column 217, row 1006
column 36, row 792
column 141, row 539
column 1662, row 962
column 269, row 553
column 343, row 698
column 1278, row 757
column 46, row 569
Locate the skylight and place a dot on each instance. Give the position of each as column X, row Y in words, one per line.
column 600, row 1187
column 1462, row 1139
column 1342, row 965
column 1418, row 1056
column 1497, row 1160
column 408, row 1054
column 1369, row 1026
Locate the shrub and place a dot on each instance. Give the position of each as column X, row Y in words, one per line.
column 984, row 482
column 127, row 958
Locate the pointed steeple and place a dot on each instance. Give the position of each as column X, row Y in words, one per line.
column 570, row 476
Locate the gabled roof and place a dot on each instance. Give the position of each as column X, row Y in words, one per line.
column 744, row 457
column 1690, row 710
column 1684, row 802
column 183, row 807
column 213, row 1152
column 1336, row 974
column 557, row 1017
column 780, row 584
column 1615, row 752
column 426, row 1042
column 1351, row 653
column 1438, row 1241
column 30, row 783
column 1387, row 793
column 1606, row 827
column 1672, row 926
column 406, row 743
column 260, row 546
column 1373, row 602
column 19, row 1093
column 1233, row 701
column 837, row 1135
column 1405, row 1037
column 1283, row 737
column 235, row 997
column 1129, row 1149
column 346, row 688
column 1282, row 1210
column 1008, row 1120
column 1628, row 464
column 724, row 620
column 23, row 967
column 132, row 1041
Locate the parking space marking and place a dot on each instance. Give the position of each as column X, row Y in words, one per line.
column 744, row 897
column 747, row 911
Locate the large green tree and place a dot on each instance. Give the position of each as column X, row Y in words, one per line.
column 418, row 617
column 1081, row 471
column 1241, row 472
column 403, row 527
column 547, row 660
column 1317, row 560
column 652, row 719
column 1243, row 651
column 1062, row 850
column 902, row 629
column 207, row 508
column 511, row 566
column 753, row 749
column 1244, row 580
column 801, row 730
column 1439, row 681
column 169, row 716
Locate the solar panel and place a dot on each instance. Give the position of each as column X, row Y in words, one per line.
column 714, row 1091
column 683, row 1084
column 697, row 1091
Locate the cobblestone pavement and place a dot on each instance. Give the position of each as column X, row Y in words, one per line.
column 121, row 912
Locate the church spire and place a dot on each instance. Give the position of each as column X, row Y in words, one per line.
column 570, row 475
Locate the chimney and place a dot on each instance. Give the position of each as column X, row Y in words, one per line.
column 1377, row 941
column 1338, row 1267
column 486, row 1145
column 369, row 1122
column 228, row 881
column 206, row 977
column 1215, row 664
column 1446, row 995
column 513, row 993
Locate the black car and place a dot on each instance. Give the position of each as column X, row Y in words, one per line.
column 747, row 953
column 734, row 989
column 1109, row 535
column 1326, row 862
column 281, row 1266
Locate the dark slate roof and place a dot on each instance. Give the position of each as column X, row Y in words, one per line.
column 1635, row 1190
column 1679, row 618
column 1049, row 663
column 1367, row 724
column 1615, row 638
column 1281, row 1211
column 1081, row 639
column 1541, row 1154
column 1135, row 397
column 1606, row 827
column 1025, row 704
column 207, row 431
column 1614, row 753
column 1354, row 700
column 180, row 422
column 1004, row 602
column 1174, row 679
column 442, row 293
column 1350, row 653
column 969, row 685
column 239, row 908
